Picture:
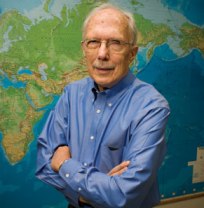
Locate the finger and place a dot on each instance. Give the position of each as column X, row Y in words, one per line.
column 119, row 167
column 81, row 199
column 119, row 172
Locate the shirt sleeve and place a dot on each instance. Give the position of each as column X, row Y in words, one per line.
column 145, row 150
column 54, row 134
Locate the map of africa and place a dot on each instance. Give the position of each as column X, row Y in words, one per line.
column 40, row 53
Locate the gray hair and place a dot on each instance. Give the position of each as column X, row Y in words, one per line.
column 130, row 19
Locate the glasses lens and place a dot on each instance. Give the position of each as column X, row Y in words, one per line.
column 93, row 44
column 115, row 45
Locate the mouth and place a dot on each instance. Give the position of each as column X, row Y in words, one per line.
column 103, row 68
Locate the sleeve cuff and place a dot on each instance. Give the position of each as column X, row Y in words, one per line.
column 73, row 172
column 69, row 168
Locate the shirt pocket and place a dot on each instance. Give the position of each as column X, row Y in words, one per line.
column 113, row 154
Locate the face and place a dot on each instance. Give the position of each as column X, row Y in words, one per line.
column 105, row 66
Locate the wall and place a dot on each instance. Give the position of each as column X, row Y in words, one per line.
column 191, row 203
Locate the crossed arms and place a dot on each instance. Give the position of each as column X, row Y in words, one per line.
column 126, row 185
column 63, row 154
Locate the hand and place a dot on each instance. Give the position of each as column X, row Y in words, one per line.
column 61, row 154
column 82, row 200
column 119, row 169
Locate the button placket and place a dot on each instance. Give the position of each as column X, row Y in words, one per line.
column 99, row 106
column 67, row 175
column 98, row 111
column 85, row 164
column 110, row 104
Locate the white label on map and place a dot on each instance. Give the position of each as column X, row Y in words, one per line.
column 198, row 166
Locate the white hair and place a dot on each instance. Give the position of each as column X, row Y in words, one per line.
column 127, row 15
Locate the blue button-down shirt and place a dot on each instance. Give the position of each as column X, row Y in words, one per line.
column 102, row 129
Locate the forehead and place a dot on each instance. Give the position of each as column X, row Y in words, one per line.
column 107, row 21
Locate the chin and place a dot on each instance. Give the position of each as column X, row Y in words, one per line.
column 104, row 81
column 105, row 84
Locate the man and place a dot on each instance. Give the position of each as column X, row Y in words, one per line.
column 103, row 143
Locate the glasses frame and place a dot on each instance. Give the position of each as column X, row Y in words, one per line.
column 108, row 43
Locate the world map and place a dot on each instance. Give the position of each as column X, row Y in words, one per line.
column 40, row 53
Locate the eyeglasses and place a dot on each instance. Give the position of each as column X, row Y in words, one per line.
column 113, row 45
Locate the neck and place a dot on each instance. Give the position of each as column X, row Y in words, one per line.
column 100, row 88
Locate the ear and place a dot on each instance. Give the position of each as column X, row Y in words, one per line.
column 133, row 53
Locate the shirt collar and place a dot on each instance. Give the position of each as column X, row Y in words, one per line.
column 114, row 92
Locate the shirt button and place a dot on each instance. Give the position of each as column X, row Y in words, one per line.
column 98, row 111
column 92, row 137
column 109, row 104
column 79, row 189
column 67, row 175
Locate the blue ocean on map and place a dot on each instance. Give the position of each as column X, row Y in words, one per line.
column 192, row 10
column 180, row 80
column 6, row 82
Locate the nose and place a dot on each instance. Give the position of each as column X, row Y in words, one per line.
column 103, row 52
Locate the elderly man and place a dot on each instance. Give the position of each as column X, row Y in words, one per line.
column 104, row 142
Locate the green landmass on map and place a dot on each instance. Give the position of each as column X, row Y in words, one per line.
column 16, row 122
column 193, row 37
